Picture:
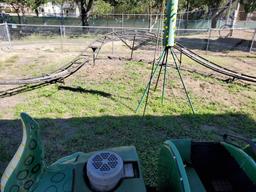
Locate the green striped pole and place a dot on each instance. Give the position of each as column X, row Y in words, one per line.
column 170, row 23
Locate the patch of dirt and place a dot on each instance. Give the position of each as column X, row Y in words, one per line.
column 214, row 92
column 8, row 105
column 99, row 72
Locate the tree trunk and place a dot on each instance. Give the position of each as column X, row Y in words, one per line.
column 23, row 15
column 84, row 17
column 17, row 11
column 214, row 22
column 36, row 11
column 215, row 16
column 19, row 18
column 85, row 11
column 217, row 11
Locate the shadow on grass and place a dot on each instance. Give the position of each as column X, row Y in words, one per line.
column 64, row 136
column 96, row 92
column 82, row 90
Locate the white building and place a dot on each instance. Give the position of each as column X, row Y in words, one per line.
column 67, row 10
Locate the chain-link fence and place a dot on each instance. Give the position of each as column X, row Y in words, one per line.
column 218, row 40
column 221, row 39
column 189, row 20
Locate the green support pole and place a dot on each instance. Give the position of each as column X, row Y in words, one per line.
column 177, row 59
column 146, row 103
column 153, row 71
column 165, row 72
column 168, row 43
column 158, row 78
column 183, row 84
column 170, row 23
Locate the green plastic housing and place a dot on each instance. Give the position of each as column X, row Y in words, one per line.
column 174, row 175
column 28, row 172
column 68, row 173
column 170, row 18
column 248, row 149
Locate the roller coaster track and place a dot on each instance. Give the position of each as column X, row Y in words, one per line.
column 197, row 58
column 57, row 75
column 33, row 83
column 61, row 73
column 146, row 36
column 64, row 72
column 213, row 66
column 27, row 84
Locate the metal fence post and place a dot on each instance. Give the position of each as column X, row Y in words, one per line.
column 8, row 34
column 113, row 31
column 209, row 38
column 64, row 31
column 122, row 22
column 179, row 25
column 61, row 37
column 253, row 39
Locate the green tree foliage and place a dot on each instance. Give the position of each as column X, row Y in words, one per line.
column 206, row 7
column 101, row 7
column 249, row 5
column 18, row 6
column 132, row 6
column 135, row 6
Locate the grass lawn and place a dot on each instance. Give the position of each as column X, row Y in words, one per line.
column 95, row 110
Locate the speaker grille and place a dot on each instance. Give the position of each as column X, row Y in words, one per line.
column 104, row 170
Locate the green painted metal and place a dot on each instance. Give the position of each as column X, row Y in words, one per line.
column 170, row 22
column 164, row 82
column 153, row 72
column 27, row 165
column 67, row 174
column 27, row 171
column 183, row 84
column 171, row 172
column 246, row 162
column 175, row 166
column 195, row 182
column 168, row 43
column 184, row 148
column 249, row 151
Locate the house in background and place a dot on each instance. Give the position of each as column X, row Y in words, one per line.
column 57, row 10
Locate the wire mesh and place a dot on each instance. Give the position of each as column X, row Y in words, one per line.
column 225, row 38
column 3, row 33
